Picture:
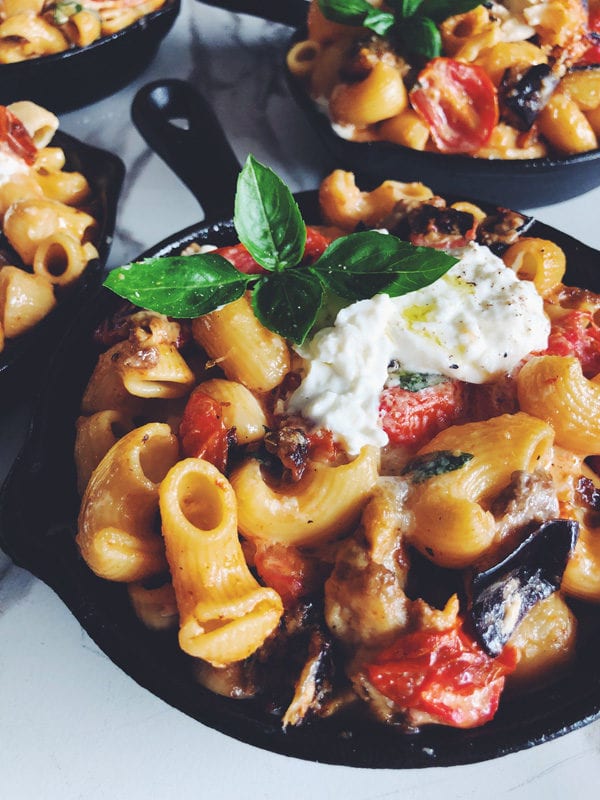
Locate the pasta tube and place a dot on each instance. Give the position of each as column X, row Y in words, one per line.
column 116, row 529
column 225, row 615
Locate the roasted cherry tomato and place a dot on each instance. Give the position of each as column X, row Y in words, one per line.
column 412, row 418
column 592, row 54
column 14, row 136
column 459, row 102
column 576, row 334
column 241, row 259
column 444, row 674
column 290, row 572
column 202, row 432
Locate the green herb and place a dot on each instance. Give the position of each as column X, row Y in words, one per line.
column 358, row 13
column 414, row 22
column 287, row 299
column 430, row 464
column 179, row 286
column 267, row 218
column 64, row 10
column 412, row 381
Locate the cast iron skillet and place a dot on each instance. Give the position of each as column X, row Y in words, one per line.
column 515, row 184
column 39, row 508
column 82, row 75
column 23, row 357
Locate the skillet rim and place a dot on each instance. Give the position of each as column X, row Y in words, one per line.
column 54, row 559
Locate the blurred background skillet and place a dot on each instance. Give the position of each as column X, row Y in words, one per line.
column 513, row 183
column 82, row 75
column 24, row 357
column 39, row 535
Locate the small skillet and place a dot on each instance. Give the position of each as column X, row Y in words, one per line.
column 39, row 504
column 23, row 357
column 82, row 75
column 512, row 183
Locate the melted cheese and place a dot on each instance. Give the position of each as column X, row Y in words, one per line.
column 11, row 165
column 475, row 324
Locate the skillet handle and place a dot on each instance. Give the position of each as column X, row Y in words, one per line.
column 288, row 12
column 181, row 127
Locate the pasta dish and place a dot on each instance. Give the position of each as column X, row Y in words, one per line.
column 47, row 230
column 516, row 79
column 34, row 28
column 383, row 500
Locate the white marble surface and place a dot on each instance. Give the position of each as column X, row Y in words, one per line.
column 72, row 725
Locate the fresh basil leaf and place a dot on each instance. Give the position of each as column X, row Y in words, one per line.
column 439, row 10
column 267, row 218
column 419, row 267
column 288, row 303
column 379, row 21
column 179, row 286
column 411, row 381
column 346, row 12
column 407, row 8
column 421, row 35
column 362, row 264
column 428, row 465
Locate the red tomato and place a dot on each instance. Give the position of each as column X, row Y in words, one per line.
column 13, row 135
column 444, row 674
column 592, row 54
column 291, row 573
column 241, row 259
column 459, row 102
column 202, row 431
column 412, row 418
column 576, row 334
column 322, row 446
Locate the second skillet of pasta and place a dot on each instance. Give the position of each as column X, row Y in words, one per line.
column 47, row 228
column 35, row 28
column 348, row 521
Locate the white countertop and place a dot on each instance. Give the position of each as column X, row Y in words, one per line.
column 72, row 724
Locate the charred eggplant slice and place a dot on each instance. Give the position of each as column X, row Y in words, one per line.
column 502, row 595
column 523, row 95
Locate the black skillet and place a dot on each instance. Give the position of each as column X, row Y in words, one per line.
column 82, row 75
column 23, row 357
column 515, row 184
column 38, row 510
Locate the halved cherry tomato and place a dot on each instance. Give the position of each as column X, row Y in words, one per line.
column 459, row 102
column 290, row 572
column 412, row 418
column 577, row 334
column 241, row 259
column 444, row 674
column 13, row 135
column 202, row 432
column 592, row 54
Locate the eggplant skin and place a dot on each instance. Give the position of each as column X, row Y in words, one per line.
column 504, row 594
column 523, row 95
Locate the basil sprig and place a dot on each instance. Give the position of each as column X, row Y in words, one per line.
column 286, row 299
column 414, row 22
